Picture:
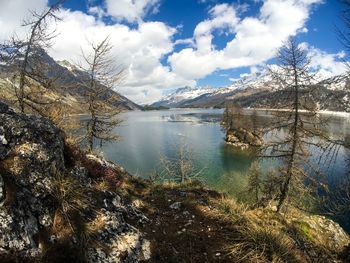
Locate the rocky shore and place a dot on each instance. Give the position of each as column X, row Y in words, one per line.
column 56, row 205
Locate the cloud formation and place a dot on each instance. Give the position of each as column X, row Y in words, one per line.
column 139, row 51
column 146, row 49
column 131, row 10
column 326, row 64
column 12, row 14
column 254, row 39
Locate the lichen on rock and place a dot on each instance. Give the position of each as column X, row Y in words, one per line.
column 42, row 201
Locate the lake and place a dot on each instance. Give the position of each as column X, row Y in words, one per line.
column 149, row 135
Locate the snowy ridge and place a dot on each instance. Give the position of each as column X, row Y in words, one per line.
column 186, row 93
column 252, row 86
column 66, row 64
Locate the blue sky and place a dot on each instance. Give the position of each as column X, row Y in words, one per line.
column 166, row 44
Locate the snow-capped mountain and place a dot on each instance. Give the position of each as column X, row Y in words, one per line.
column 191, row 96
column 182, row 94
column 257, row 90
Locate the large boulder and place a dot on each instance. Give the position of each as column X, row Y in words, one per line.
column 46, row 205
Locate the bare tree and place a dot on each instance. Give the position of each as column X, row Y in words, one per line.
column 301, row 130
column 102, row 77
column 254, row 122
column 255, row 182
column 24, row 57
column 233, row 117
column 180, row 167
column 338, row 202
column 241, row 130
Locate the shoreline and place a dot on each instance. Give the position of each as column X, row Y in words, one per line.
column 325, row 112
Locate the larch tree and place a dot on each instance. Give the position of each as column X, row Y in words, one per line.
column 233, row 117
column 338, row 203
column 102, row 76
column 179, row 167
column 24, row 58
column 255, row 182
column 296, row 124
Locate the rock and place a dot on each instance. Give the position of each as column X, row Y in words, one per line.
column 186, row 213
column 32, row 163
column 30, row 160
column 2, row 192
column 137, row 203
column 175, row 206
column 325, row 232
column 3, row 107
column 243, row 138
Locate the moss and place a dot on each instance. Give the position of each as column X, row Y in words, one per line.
column 305, row 229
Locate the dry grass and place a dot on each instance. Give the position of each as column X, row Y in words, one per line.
column 262, row 244
column 253, row 241
column 71, row 198
column 232, row 209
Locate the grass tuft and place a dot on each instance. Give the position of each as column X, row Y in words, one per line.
column 262, row 244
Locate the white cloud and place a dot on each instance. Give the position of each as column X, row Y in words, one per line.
column 303, row 30
column 142, row 48
column 131, row 10
column 138, row 50
column 97, row 11
column 327, row 64
column 12, row 14
column 256, row 39
column 223, row 17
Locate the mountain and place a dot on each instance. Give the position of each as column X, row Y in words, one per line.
column 182, row 94
column 79, row 75
column 258, row 90
column 66, row 81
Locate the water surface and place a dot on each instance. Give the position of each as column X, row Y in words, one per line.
column 146, row 136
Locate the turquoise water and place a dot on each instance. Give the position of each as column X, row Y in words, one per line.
column 146, row 136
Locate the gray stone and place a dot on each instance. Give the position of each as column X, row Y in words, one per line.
column 35, row 149
column 2, row 192
column 175, row 206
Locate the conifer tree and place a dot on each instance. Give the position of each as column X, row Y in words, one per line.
column 102, row 77
column 24, row 57
column 297, row 120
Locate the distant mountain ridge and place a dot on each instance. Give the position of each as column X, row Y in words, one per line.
column 257, row 91
column 67, row 79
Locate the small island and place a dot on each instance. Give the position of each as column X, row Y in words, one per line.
column 241, row 131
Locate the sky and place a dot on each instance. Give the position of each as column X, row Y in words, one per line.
column 168, row 44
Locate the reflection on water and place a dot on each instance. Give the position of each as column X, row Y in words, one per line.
column 146, row 136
